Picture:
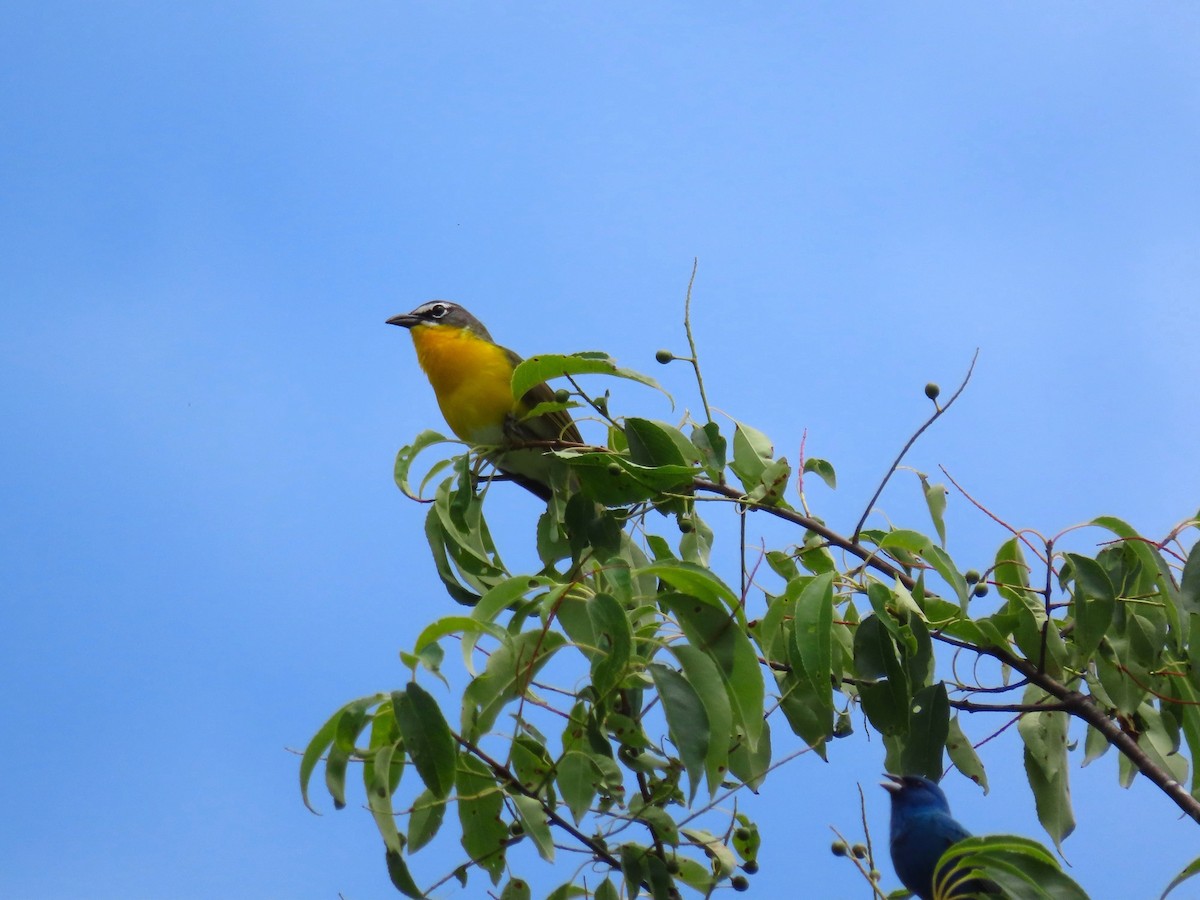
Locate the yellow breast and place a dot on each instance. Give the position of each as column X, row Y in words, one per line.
column 472, row 379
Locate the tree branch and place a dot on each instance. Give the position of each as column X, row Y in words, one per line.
column 501, row 772
column 1072, row 702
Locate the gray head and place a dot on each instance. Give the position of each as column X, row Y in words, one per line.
column 440, row 314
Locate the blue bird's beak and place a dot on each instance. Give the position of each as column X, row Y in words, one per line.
column 893, row 785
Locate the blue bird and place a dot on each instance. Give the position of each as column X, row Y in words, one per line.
column 922, row 830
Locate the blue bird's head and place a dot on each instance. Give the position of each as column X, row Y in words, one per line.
column 915, row 794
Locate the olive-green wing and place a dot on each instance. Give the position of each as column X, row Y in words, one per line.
column 551, row 426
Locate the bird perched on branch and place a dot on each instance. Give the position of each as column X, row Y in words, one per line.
column 472, row 377
column 922, row 830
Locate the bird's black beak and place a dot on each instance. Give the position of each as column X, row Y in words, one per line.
column 893, row 784
column 404, row 320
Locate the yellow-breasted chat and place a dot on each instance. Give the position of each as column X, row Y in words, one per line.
column 471, row 376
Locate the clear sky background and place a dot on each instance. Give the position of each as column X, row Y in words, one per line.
column 208, row 210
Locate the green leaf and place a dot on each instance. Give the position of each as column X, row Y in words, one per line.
column 695, row 545
column 917, row 651
column 408, row 454
column 944, row 566
column 349, row 722
column 480, row 807
column 823, row 469
column 1189, row 584
column 935, row 499
column 689, row 578
column 1094, row 602
column 963, row 755
column 654, row 444
column 577, row 778
column 751, row 766
column 614, row 641
column 718, row 852
column 928, row 730
column 1159, row 739
column 312, row 755
column 772, row 483
column 715, row 631
column 464, row 625
column 1019, row 867
column 516, row 889
column 379, row 794
column 424, row 820
column 660, row 820
column 1156, row 574
column 1011, row 575
column 1095, row 745
column 695, row 875
column 618, row 481
column 532, row 764
column 633, row 867
column 533, row 819
column 687, row 720
column 427, row 738
column 1114, row 661
column 885, row 702
column 752, row 451
column 569, row 891
column 811, row 635
column 805, row 712
column 399, row 874
column 537, row 369
column 1188, row 871
column 509, row 671
column 508, row 592
column 874, row 653
column 438, row 538
column 712, row 446
column 1045, row 737
column 904, row 539
column 1190, row 723
column 703, row 674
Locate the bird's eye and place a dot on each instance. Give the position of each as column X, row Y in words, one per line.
column 438, row 311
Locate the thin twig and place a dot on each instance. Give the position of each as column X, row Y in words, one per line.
column 912, row 440
column 878, row 891
column 687, row 327
column 503, row 773
column 1017, row 533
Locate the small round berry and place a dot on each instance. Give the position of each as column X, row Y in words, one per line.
column 932, row 391
column 664, row 356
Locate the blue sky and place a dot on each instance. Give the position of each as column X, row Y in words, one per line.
column 210, row 209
